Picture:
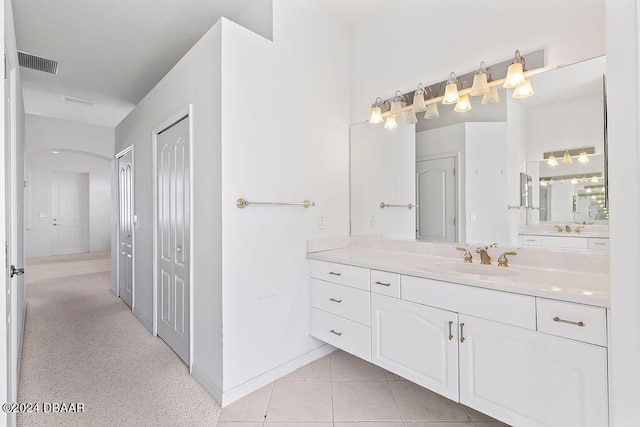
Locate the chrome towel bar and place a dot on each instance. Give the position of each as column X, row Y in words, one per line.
column 243, row 203
column 387, row 205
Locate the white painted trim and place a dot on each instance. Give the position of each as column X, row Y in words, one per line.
column 260, row 381
column 187, row 110
column 122, row 153
column 207, row 384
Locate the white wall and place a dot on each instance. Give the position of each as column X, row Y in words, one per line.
column 195, row 80
column 383, row 169
column 623, row 103
column 43, row 164
column 285, row 138
column 395, row 49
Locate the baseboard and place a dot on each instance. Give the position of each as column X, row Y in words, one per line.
column 207, row 384
column 21, row 338
column 144, row 322
column 254, row 384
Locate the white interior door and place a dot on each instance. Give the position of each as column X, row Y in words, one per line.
column 125, row 227
column 436, row 188
column 70, row 213
column 172, row 278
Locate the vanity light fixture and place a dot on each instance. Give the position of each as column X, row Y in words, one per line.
column 492, row 96
column 588, row 190
column 480, row 85
column 523, row 90
column 396, row 105
column 391, row 123
column 515, row 72
column 376, row 111
column 543, row 183
column 410, row 117
column 463, row 105
column 552, row 161
column 574, row 180
column 451, row 95
column 583, row 157
column 566, row 159
column 594, row 178
column 432, row 109
column 583, row 179
column 419, row 105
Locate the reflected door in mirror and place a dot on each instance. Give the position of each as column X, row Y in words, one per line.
column 436, row 190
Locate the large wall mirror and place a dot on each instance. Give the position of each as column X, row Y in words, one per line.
column 484, row 176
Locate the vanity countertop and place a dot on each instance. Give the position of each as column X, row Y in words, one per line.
column 565, row 285
column 583, row 234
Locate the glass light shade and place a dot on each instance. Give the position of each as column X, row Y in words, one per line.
column 582, row 157
column 451, row 95
column 543, row 183
column 515, row 76
column 410, row 117
column 594, row 178
column 492, row 96
column 396, row 109
column 463, row 105
column 376, row 115
column 432, row 111
column 566, row 159
column 418, row 102
column 574, row 180
column 523, row 90
column 391, row 123
column 480, row 86
column 552, row 161
column 583, row 179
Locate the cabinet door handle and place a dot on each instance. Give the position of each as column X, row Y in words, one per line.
column 450, row 330
column 571, row 322
column 382, row 283
column 334, row 332
column 462, row 339
column 335, row 274
column 335, row 300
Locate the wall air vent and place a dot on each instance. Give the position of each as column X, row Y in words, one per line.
column 37, row 63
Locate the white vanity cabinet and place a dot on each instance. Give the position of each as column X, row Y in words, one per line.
column 565, row 242
column 527, row 378
column 416, row 342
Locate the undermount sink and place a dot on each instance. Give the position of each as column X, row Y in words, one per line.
column 478, row 269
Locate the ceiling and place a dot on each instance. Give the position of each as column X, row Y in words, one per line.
column 112, row 52
column 354, row 12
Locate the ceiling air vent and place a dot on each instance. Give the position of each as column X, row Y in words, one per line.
column 37, row 63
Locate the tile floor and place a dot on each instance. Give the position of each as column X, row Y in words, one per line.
column 344, row 391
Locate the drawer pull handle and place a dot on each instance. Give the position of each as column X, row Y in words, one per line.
column 382, row 283
column 335, row 274
column 450, row 331
column 334, row 332
column 599, row 244
column 557, row 319
column 335, row 300
column 462, row 339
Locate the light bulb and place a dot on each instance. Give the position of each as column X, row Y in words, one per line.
column 391, row 123
column 594, row 178
column 574, row 180
column 432, row 111
column 451, row 95
column 491, row 97
column 463, row 105
column 410, row 117
column 566, row 159
column 543, row 183
column 583, row 157
column 376, row 115
column 515, row 72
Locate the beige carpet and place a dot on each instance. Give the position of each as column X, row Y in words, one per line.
column 83, row 344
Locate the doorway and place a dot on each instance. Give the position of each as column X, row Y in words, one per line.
column 70, row 213
column 436, row 199
column 125, row 226
column 172, row 242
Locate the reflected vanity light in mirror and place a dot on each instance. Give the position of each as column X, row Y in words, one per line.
column 410, row 117
column 566, row 159
column 523, row 90
column 463, row 105
column 552, row 161
column 491, row 97
column 432, row 112
column 583, row 157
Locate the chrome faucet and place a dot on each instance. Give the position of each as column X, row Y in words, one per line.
column 503, row 261
column 467, row 255
column 567, row 229
column 578, row 228
column 484, row 256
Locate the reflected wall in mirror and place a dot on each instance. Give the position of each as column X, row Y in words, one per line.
column 463, row 170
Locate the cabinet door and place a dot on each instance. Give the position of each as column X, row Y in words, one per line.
column 413, row 341
column 527, row 378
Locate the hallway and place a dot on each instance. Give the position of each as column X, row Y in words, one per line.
column 83, row 344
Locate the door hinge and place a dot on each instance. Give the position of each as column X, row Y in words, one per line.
column 454, row 171
column 4, row 72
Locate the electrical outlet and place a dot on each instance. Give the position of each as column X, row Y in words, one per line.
column 320, row 223
column 372, row 221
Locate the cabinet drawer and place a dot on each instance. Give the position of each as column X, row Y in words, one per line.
column 530, row 240
column 341, row 300
column 564, row 242
column 505, row 307
column 350, row 336
column 348, row 275
column 596, row 243
column 575, row 321
column 385, row 283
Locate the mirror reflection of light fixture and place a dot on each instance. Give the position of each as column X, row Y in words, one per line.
column 376, row 112
column 574, row 180
column 463, row 105
column 583, row 157
column 480, row 86
column 583, row 179
column 418, row 100
column 552, row 161
column 451, row 95
column 410, row 117
column 432, row 109
column 391, row 123
column 523, row 90
column 594, row 178
column 492, row 96
column 543, row 183
column 566, row 159
column 515, row 72
column 396, row 105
